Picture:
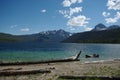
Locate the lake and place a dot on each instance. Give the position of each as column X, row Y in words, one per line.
column 36, row 51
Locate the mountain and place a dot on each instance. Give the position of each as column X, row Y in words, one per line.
column 52, row 36
column 99, row 27
column 110, row 35
column 46, row 36
column 113, row 27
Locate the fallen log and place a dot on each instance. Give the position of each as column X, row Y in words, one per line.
column 75, row 58
column 8, row 73
column 37, row 62
column 89, row 77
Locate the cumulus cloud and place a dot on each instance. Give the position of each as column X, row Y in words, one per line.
column 110, row 20
column 113, row 4
column 87, row 28
column 25, row 29
column 106, row 14
column 73, row 1
column 68, row 3
column 80, row 20
column 43, row 11
column 72, row 28
column 79, row 1
column 113, row 20
column 75, row 10
column 75, row 20
column 65, row 13
column 70, row 12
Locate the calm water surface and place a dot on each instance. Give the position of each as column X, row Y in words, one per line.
column 35, row 51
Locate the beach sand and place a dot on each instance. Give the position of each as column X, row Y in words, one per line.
column 105, row 68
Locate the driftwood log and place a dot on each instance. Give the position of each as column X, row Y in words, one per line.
column 8, row 73
column 89, row 77
column 75, row 58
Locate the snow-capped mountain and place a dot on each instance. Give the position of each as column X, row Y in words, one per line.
column 45, row 36
column 53, row 36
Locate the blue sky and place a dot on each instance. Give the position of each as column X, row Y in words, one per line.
column 33, row 16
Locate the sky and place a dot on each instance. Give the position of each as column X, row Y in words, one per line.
column 20, row 17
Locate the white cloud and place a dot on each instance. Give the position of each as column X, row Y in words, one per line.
column 113, row 4
column 72, row 28
column 79, row 1
column 75, row 10
column 70, row 12
column 43, row 11
column 25, row 30
column 13, row 26
column 110, row 20
column 113, row 20
column 65, row 13
column 106, row 14
column 73, row 1
column 68, row 3
column 87, row 28
column 80, row 20
column 75, row 21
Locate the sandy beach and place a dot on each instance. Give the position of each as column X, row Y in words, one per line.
column 106, row 68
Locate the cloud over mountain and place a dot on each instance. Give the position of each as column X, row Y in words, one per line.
column 70, row 12
column 25, row 29
column 114, row 19
column 80, row 20
column 75, row 18
column 68, row 3
column 106, row 14
column 112, row 5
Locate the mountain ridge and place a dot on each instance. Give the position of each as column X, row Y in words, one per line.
column 99, row 34
column 46, row 36
column 101, row 26
column 109, row 35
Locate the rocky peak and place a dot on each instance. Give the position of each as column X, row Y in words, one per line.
column 113, row 27
column 99, row 27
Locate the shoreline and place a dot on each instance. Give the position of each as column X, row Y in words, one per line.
column 35, row 62
column 116, row 59
column 105, row 68
column 52, row 61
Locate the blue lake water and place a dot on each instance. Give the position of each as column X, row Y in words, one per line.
column 36, row 51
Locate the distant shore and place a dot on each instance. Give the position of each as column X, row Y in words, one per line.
column 77, row 68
